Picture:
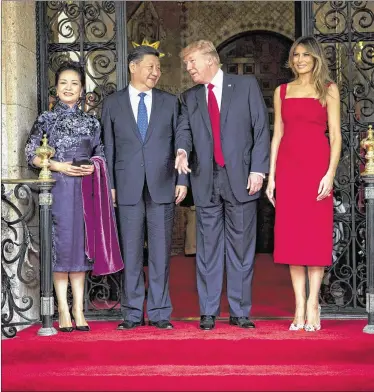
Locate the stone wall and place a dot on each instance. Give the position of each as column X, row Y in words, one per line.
column 19, row 111
column 19, row 86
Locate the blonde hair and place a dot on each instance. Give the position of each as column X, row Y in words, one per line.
column 204, row 47
column 320, row 73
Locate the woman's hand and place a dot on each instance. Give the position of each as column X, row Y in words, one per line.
column 270, row 190
column 325, row 187
column 66, row 168
column 87, row 170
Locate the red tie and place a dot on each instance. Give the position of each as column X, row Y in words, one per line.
column 216, row 126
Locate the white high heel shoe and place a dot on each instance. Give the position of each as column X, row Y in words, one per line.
column 296, row 327
column 317, row 327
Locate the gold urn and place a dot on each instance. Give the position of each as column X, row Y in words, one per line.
column 45, row 152
column 368, row 145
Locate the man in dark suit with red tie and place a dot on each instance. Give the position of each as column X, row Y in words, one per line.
column 222, row 140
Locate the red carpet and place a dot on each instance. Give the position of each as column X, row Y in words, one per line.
column 272, row 290
column 338, row 358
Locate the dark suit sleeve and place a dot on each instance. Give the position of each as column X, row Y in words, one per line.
column 183, row 136
column 98, row 148
column 182, row 179
column 108, row 140
column 261, row 137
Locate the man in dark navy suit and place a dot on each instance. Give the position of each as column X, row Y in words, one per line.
column 139, row 128
column 222, row 139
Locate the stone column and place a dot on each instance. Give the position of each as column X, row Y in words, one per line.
column 19, row 108
column 19, row 87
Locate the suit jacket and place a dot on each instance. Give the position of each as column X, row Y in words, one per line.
column 244, row 136
column 131, row 161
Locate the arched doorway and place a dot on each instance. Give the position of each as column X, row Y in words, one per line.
column 264, row 55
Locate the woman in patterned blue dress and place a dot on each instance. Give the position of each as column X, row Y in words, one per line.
column 75, row 136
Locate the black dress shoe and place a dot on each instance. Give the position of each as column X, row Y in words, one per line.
column 162, row 324
column 207, row 322
column 65, row 329
column 242, row 322
column 82, row 328
column 128, row 324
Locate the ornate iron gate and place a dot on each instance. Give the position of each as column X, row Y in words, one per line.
column 90, row 32
column 346, row 30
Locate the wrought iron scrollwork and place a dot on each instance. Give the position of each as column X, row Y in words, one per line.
column 103, row 292
column 346, row 30
column 17, row 270
column 84, row 31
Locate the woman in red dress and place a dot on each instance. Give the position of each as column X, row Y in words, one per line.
column 302, row 168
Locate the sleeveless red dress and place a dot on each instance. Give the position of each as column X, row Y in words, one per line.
column 303, row 233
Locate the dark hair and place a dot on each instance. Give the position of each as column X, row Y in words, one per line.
column 71, row 66
column 137, row 54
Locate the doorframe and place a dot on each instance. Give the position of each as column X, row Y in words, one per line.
column 303, row 18
column 249, row 32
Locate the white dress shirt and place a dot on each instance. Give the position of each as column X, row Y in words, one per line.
column 217, row 82
column 135, row 99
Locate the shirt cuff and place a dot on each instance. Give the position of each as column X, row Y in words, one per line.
column 260, row 174
column 182, row 149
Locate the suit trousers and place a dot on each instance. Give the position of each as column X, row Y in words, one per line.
column 190, row 238
column 159, row 219
column 226, row 236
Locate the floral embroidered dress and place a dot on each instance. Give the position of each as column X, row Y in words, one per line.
column 73, row 134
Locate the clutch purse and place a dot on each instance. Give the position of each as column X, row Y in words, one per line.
column 80, row 162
